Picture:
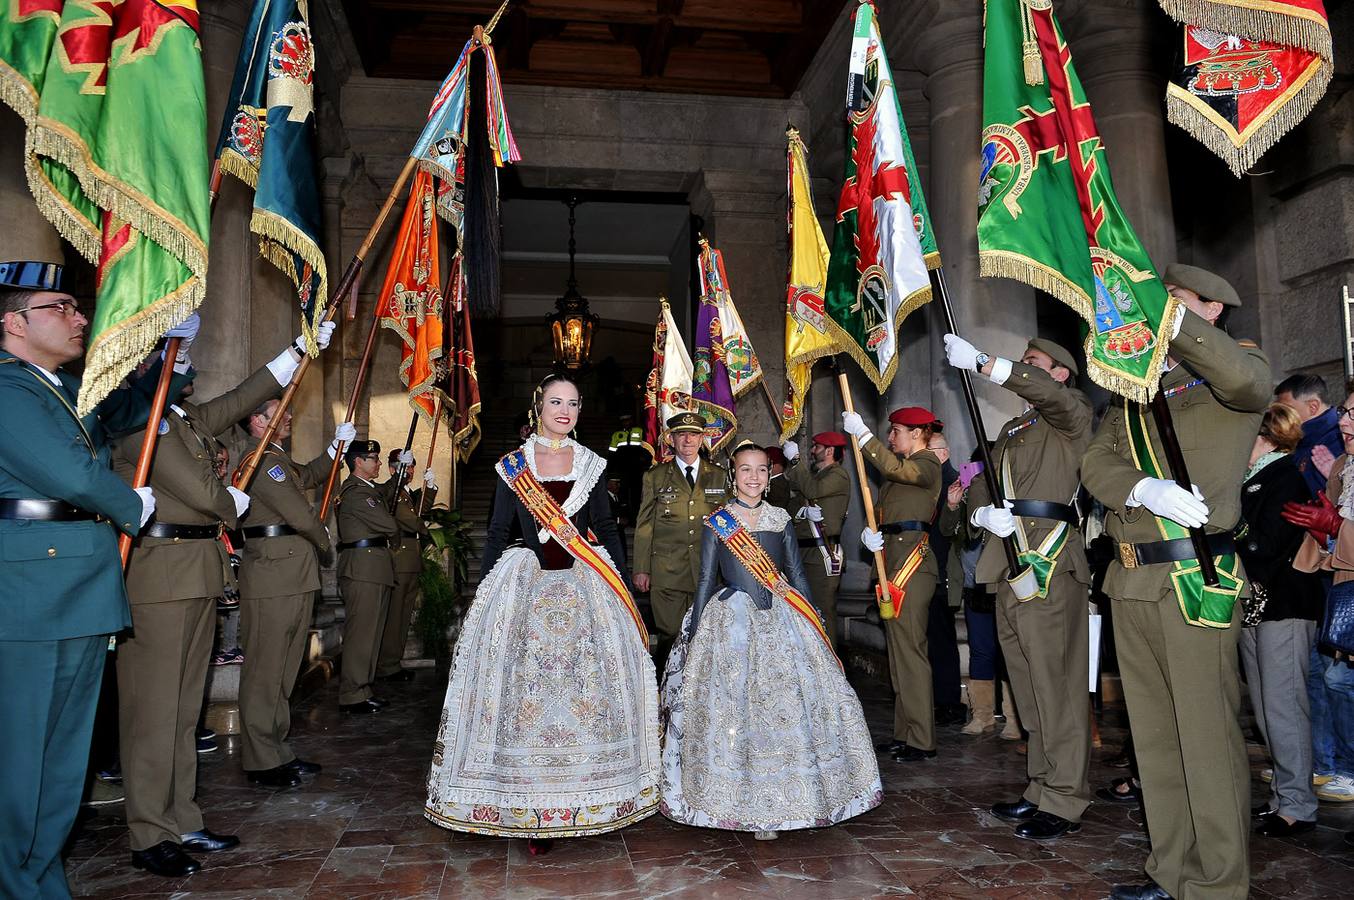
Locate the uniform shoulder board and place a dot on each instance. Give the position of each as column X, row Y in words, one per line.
column 1247, row 343
column 277, row 474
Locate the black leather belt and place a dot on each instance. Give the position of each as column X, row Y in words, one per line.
column 365, row 542
column 45, row 511
column 1133, row 555
column 267, row 531
column 182, row 532
column 900, row 527
column 810, row 542
column 1044, row 509
column 408, row 534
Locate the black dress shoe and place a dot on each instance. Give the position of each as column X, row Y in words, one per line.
column 302, row 767
column 401, row 675
column 1263, row 812
column 890, row 746
column 206, row 841
column 276, row 777
column 165, row 859
column 380, row 704
column 1276, row 826
column 1149, row 891
column 913, row 754
column 1113, row 794
column 1020, row 811
column 361, row 706
column 1045, row 826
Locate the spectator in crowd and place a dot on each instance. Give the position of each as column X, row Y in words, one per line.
column 1321, row 442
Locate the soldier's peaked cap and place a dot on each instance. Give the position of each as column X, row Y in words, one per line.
column 687, row 421
column 1202, row 282
column 362, row 448
column 1059, row 354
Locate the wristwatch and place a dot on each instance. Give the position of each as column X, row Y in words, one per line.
column 982, row 359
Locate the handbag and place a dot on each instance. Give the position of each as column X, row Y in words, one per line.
column 1253, row 607
column 1337, row 628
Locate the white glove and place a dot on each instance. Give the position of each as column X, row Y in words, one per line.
column 960, row 353
column 284, row 365
column 873, row 540
column 813, row 513
column 324, row 334
column 241, row 500
column 791, row 450
column 855, row 426
column 343, row 433
column 147, row 505
column 1170, row 501
column 997, row 520
column 429, row 480
column 406, row 458
column 187, row 329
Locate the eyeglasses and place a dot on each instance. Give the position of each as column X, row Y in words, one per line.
column 68, row 307
column 1342, row 411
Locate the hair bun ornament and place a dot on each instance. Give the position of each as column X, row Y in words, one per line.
column 745, row 444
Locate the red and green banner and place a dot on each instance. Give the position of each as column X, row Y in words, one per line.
column 112, row 94
column 1047, row 211
column 1251, row 71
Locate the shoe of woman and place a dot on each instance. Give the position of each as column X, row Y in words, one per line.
column 539, row 846
column 765, row 835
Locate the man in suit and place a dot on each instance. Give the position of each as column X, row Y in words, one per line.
column 366, row 571
column 279, row 575
column 1042, row 626
column 676, row 498
column 826, row 489
column 61, row 509
column 408, row 566
column 174, row 576
column 1179, row 670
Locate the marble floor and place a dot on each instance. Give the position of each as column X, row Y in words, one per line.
column 356, row 831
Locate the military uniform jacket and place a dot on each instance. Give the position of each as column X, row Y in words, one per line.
column 1216, row 423
column 364, row 513
column 829, row 489
column 671, row 517
column 287, row 564
column 1042, row 448
column 911, row 489
column 188, row 492
column 409, row 551
column 63, row 580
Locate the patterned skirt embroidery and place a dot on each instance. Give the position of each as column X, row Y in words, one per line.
column 762, row 729
column 550, row 725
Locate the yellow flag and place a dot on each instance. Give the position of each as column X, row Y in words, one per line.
column 806, row 334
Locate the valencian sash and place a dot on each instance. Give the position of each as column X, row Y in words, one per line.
column 1039, row 562
column 548, row 513
column 1207, row 607
column 893, row 606
column 757, row 561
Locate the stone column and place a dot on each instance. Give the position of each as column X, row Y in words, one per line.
column 997, row 315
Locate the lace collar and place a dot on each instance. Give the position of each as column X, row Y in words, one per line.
column 587, row 468
column 772, row 518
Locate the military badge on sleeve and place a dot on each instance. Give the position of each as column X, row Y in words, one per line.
column 277, row 474
column 371, row 501
column 164, row 427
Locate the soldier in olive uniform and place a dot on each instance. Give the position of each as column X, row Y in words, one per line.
column 174, row 576
column 676, row 498
column 61, row 590
column 1180, row 679
column 1043, row 635
column 779, row 492
column 408, row 567
column 826, row 489
column 907, row 503
column 279, row 575
column 366, row 572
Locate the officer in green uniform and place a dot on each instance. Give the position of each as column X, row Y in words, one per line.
column 1177, row 646
column 366, row 572
column 61, row 509
column 907, row 503
column 676, row 497
column 1041, row 620
column 408, row 566
column 279, row 575
column 175, row 574
column 826, row 489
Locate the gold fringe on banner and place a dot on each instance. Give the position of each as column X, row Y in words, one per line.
column 232, row 163
column 848, row 345
column 1258, row 20
column 278, row 240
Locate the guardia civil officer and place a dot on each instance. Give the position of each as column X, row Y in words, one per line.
column 1041, row 609
column 826, row 489
column 408, row 566
column 1177, row 644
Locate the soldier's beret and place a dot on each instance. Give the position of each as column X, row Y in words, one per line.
column 1060, row 355
column 687, row 421
column 914, row 417
column 30, row 276
column 830, row 439
column 775, row 456
column 1202, row 282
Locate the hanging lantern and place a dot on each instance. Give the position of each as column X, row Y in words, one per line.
column 572, row 324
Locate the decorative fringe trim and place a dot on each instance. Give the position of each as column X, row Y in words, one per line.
column 1258, row 20
column 1243, row 150
column 278, row 240
column 17, row 93
column 467, row 438
column 932, row 261
column 706, row 407
column 69, row 221
column 232, row 163
column 847, row 344
column 1005, row 264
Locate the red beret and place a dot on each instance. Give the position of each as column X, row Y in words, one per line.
column 913, row 417
column 773, row 455
column 830, row 439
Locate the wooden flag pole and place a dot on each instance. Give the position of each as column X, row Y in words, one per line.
column 245, row 474
column 432, row 448
column 880, row 569
column 157, row 411
column 359, row 382
column 400, row 469
column 775, row 409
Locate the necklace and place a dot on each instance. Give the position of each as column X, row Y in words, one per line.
column 554, row 445
column 756, row 505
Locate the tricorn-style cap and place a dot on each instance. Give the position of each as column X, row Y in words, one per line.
column 30, row 276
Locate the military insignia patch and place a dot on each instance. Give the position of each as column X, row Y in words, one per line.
column 277, row 474
column 164, row 426
column 371, row 501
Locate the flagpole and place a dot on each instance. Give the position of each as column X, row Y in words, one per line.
column 401, row 468
column 775, row 410
column 971, row 401
column 245, row 474
column 432, row 448
column 1175, row 458
column 359, row 382
column 147, row 455
column 880, row 569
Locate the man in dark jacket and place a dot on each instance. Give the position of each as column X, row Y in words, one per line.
column 1306, row 396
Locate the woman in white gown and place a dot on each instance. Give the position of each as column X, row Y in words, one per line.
column 550, row 725
column 763, row 732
